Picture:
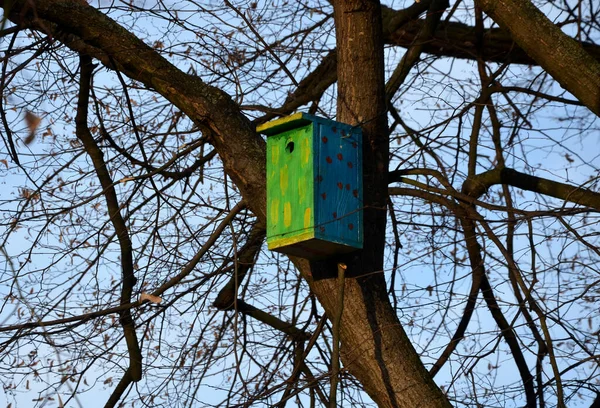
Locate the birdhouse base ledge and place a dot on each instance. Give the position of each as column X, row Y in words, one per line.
column 314, row 249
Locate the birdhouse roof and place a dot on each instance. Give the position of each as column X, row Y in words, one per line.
column 280, row 125
column 298, row 120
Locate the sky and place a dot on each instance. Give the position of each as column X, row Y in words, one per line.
column 430, row 99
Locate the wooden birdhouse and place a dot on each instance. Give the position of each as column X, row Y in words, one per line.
column 314, row 186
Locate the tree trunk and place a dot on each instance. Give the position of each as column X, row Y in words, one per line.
column 375, row 348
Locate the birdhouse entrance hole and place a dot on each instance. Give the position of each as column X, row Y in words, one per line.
column 289, row 147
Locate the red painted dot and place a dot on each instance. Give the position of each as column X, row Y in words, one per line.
column 354, row 144
column 348, row 187
column 319, row 178
column 340, row 185
column 324, row 139
column 355, row 193
column 340, row 157
column 324, row 195
column 328, row 159
column 334, row 129
column 334, row 215
column 350, row 165
column 343, row 133
column 350, row 227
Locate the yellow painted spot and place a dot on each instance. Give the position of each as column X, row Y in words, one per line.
column 283, row 179
column 275, row 155
column 307, row 218
column 305, row 150
column 301, row 189
column 287, row 214
column 274, row 207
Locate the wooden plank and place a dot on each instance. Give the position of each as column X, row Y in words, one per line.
column 290, row 212
column 339, row 185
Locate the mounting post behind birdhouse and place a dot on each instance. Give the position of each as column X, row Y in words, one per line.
column 314, row 186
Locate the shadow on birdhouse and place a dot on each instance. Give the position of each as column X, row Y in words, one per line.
column 314, row 186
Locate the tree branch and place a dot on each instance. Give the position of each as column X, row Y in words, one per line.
column 245, row 261
column 412, row 55
column 87, row 30
column 325, row 75
column 91, row 147
column 458, row 40
column 479, row 184
column 560, row 55
column 466, row 217
column 402, row 28
column 272, row 321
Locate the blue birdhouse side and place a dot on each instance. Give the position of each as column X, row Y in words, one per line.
column 314, row 186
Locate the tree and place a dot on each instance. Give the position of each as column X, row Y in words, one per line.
column 155, row 208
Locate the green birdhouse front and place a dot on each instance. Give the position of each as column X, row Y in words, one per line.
column 314, row 186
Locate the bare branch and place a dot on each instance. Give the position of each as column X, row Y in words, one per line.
column 134, row 371
column 478, row 185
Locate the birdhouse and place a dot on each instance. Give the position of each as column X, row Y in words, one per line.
column 314, row 186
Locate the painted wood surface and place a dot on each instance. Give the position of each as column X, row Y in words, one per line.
column 314, row 186
column 339, row 185
column 290, row 203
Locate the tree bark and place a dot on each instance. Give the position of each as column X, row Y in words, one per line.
column 560, row 55
column 375, row 347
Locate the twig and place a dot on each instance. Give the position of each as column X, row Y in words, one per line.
column 262, row 40
column 337, row 319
